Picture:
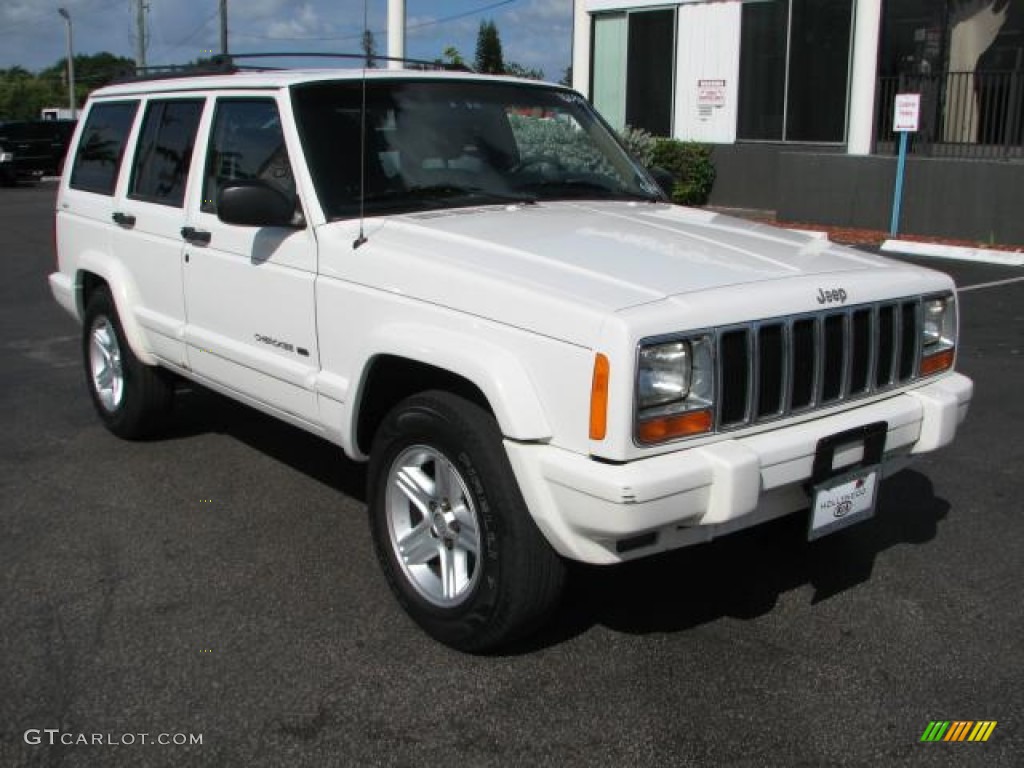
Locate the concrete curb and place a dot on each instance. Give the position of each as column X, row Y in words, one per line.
column 817, row 233
column 957, row 252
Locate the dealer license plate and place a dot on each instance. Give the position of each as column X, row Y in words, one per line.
column 843, row 501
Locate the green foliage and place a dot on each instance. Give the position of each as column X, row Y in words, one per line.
column 690, row 164
column 452, row 58
column 518, row 70
column 489, row 58
column 640, row 144
column 92, row 71
column 23, row 94
column 540, row 138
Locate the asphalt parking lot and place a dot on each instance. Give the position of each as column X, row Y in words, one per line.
column 221, row 582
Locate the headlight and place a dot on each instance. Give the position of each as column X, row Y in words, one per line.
column 6, row 157
column 674, row 389
column 665, row 371
column 938, row 334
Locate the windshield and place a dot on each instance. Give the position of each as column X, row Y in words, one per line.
column 442, row 144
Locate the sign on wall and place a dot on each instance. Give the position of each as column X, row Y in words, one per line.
column 710, row 95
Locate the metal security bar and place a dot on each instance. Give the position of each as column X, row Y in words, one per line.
column 771, row 369
column 963, row 114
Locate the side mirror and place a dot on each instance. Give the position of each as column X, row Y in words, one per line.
column 255, row 204
column 665, row 180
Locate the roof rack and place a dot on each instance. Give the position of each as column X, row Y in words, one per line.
column 224, row 64
column 417, row 63
column 169, row 71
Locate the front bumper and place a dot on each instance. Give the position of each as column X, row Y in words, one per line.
column 587, row 509
column 63, row 288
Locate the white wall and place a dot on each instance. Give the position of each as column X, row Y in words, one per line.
column 708, row 65
column 863, row 76
column 581, row 23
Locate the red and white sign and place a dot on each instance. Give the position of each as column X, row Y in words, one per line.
column 907, row 113
column 711, row 93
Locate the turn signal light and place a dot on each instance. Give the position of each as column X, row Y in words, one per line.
column 940, row 361
column 599, row 398
column 681, row 425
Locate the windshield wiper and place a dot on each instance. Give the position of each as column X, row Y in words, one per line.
column 577, row 188
column 442, row 191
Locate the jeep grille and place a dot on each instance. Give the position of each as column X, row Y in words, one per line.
column 773, row 368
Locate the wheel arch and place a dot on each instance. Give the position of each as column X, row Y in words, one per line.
column 481, row 372
column 95, row 271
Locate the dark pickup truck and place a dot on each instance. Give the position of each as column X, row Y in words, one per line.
column 31, row 149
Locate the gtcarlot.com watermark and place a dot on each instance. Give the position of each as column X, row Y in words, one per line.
column 53, row 736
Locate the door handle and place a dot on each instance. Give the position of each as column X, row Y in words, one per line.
column 123, row 219
column 196, row 236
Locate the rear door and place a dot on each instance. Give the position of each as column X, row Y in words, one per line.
column 150, row 214
column 249, row 290
column 86, row 200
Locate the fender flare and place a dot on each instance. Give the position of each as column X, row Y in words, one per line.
column 124, row 294
column 495, row 371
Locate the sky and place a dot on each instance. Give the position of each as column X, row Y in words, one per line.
column 534, row 33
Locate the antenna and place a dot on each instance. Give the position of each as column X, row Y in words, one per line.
column 362, row 146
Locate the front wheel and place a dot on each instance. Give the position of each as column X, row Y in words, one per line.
column 453, row 535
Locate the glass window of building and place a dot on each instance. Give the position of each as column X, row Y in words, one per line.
column 632, row 69
column 795, row 70
column 965, row 58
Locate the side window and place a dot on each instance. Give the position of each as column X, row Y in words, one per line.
column 164, row 153
column 101, row 147
column 246, row 143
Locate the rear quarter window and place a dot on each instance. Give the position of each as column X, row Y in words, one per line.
column 101, row 147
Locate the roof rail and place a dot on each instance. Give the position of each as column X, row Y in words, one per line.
column 417, row 63
column 215, row 66
column 225, row 64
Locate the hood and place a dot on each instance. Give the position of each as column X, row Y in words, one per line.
column 619, row 254
column 558, row 267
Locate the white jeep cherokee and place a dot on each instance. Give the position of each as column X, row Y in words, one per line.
column 493, row 304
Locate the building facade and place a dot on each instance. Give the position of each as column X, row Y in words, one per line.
column 806, row 87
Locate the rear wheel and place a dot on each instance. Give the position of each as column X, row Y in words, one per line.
column 131, row 398
column 453, row 535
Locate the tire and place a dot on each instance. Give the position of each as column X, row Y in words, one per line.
column 442, row 493
column 131, row 398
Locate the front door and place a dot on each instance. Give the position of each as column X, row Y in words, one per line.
column 249, row 290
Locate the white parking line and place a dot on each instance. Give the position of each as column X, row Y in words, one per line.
column 993, row 284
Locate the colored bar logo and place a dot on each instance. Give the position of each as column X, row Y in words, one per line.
column 958, row 730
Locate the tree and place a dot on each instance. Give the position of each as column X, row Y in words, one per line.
column 489, row 59
column 92, row 71
column 451, row 59
column 23, row 94
column 518, row 70
column 369, row 49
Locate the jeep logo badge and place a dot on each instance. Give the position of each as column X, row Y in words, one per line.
column 834, row 295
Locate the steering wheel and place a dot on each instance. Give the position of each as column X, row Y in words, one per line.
column 537, row 160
